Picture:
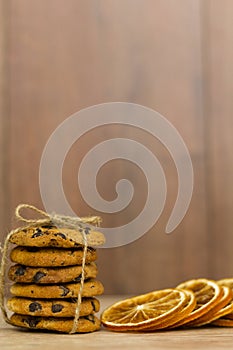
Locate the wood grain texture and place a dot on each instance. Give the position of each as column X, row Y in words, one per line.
column 66, row 56
column 1, row 112
column 204, row 338
column 218, row 56
column 172, row 56
column 4, row 117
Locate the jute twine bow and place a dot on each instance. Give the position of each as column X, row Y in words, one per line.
column 48, row 219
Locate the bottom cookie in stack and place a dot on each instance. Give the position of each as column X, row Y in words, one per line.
column 47, row 285
column 86, row 324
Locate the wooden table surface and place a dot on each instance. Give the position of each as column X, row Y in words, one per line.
column 203, row 338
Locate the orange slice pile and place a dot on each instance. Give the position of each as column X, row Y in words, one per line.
column 191, row 304
column 225, row 315
column 224, row 306
column 207, row 293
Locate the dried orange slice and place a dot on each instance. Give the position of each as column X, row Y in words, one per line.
column 187, row 308
column 223, row 322
column 227, row 282
column 229, row 315
column 208, row 294
column 228, row 310
column 144, row 311
column 224, row 306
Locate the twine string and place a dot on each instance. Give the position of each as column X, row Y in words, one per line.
column 80, row 292
column 46, row 219
column 56, row 219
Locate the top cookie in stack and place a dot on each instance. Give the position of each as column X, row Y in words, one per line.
column 47, row 277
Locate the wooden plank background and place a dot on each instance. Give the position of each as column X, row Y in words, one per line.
column 172, row 56
column 1, row 111
column 4, row 117
column 218, row 33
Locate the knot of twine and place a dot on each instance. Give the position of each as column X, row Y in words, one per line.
column 46, row 219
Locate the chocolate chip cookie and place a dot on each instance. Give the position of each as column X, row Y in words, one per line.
column 42, row 275
column 68, row 290
column 53, row 307
column 34, row 256
column 86, row 324
column 51, row 236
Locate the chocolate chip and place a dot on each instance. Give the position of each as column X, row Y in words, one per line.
column 61, row 235
column 65, row 291
column 35, row 306
column 20, row 270
column 31, row 321
column 53, row 242
column 87, row 230
column 78, row 278
column 90, row 249
column 37, row 233
column 57, row 308
column 93, row 305
column 38, row 276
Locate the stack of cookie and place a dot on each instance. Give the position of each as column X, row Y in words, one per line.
column 47, row 278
